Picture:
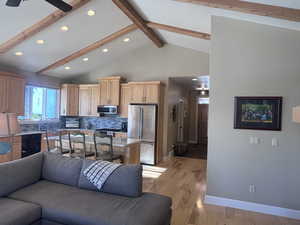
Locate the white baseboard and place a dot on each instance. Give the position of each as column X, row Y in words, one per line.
column 255, row 207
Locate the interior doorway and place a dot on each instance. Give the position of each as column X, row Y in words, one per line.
column 188, row 121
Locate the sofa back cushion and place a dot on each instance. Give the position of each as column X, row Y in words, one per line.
column 125, row 180
column 60, row 169
column 17, row 174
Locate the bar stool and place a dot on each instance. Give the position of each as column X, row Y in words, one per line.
column 108, row 155
column 60, row 149
column 76, row 139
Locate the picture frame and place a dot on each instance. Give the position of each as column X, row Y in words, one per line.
column 258, row 113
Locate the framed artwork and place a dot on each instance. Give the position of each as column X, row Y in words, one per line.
column 258, row 113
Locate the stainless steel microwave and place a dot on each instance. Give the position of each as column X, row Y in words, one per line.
column 108, row 110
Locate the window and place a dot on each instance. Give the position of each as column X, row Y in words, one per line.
column 41, row 103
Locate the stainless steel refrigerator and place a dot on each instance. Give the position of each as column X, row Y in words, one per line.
column 142, row 124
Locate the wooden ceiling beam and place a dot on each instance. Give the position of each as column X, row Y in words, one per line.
column 90, row 48
column 251, row 8
column 178, row 30
column 39, row 26
column 129, row 10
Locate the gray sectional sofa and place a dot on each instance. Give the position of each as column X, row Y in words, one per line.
column 48, row 189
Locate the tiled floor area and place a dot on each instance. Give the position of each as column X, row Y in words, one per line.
column 184, row 180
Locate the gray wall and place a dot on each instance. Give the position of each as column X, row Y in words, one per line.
column 150, row 63
column 249, row 59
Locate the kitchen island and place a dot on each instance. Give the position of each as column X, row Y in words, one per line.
column 128, row 147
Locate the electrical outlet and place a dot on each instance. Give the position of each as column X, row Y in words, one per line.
column 252, row 188
column 275, row 142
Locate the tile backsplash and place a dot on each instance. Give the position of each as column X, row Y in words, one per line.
column 40, row 126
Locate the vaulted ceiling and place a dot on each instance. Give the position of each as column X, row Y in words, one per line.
column 85, row 30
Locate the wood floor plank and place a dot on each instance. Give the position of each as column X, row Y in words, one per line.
column 185, row 182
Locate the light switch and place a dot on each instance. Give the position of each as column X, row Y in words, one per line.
column 275, row 142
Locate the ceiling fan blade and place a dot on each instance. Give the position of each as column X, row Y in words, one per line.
column 13, row 3
column 61, row 5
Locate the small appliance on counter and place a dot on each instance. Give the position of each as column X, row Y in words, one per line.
column 72, row 123
column 107, row 110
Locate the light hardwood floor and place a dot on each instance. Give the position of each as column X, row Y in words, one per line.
column 184, row 180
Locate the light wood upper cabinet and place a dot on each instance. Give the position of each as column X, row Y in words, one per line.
column 145, row 92
column 69, row 100
column 125, row 99
column 88, row 100
column 12, row 91
column 3, row 94
column 110, row 90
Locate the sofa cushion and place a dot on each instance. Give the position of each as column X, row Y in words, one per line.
column 73, row 206
column 13, row 212
column 126, row 180
column 60, row 169
column 20, row 173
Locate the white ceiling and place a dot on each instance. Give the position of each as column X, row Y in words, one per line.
column 85, row 30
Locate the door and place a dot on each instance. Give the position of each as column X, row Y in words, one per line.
column 114, row 92
column 3, row 94
column 104, row 92
column 202, row 123
column 16, row 91
column 180, row 122
column 94, row 100
column 147, row 155
column 134, row 121
column 148, row 123
column 125, row 100
column 152, row 93
column 137, row 95
column 73, row 101
column 84, row 101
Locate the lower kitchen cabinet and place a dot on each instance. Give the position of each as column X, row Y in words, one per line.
column 16, row 149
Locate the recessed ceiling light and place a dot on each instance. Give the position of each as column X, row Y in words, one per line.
column 91, row 12
column 105, row 50
column 85, row 59
column 203, row 92
column 67, row 68
column 126, row 40
column 194, row 79
column 40, row 42
column 19, row 53
column 64, row 28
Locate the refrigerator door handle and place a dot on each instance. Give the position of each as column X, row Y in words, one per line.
column 142, row 122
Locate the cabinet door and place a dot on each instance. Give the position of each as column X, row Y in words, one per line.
column 125, row 100
column 94, row 100
column 152, row 93
column 3, row 94
column 84, row 101
column 137, row 93
column 63, row 101
column 73, row 101
column 16, row 89
column 104, row 92
column 114, row 92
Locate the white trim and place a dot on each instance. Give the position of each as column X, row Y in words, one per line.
column 255, row 207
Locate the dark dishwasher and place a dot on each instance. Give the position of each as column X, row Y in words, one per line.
column 31, row 144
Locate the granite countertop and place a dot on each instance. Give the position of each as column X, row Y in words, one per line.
column 24, row 133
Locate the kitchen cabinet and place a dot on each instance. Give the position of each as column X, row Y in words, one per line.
column 16, row 149
column 12, row 89
column 69, row 100
column 125, row 100
column 88, row 100
column 110, row 90
column 145, row 92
